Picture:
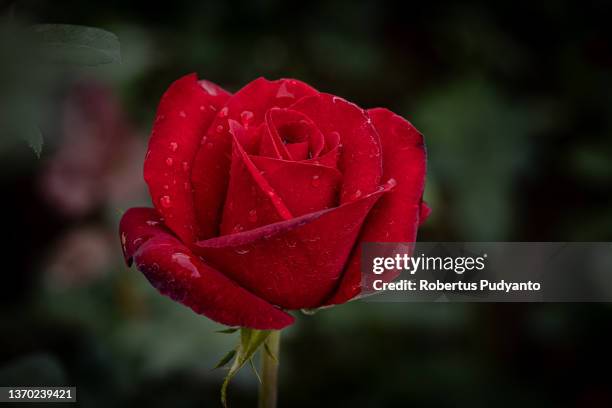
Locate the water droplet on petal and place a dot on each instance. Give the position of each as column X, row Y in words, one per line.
column 238, row 228
column 208, row 87
column 165, row 201
column 357, row 194
column 209, row 145
column 212, row 108
column 184, row 260
column 187, row 186
column 137, row 241
column 166, row 187
column 316, row 180
column 219, row 129
column 173, row 146
column 283, row 92
column 253, row 215
column 202, row 108
column 203, row 140
column 291, row 243
column 182, row 114
column 169, row 161
column 185, row 166
column 152, row 223
column 224, row 112
column 242, row 251
column 246, row 117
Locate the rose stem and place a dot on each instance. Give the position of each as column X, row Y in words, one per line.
column 268, row 389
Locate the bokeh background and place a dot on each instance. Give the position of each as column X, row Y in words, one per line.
column 515, row 102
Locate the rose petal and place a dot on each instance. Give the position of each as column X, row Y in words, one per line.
column 395, row 218
column 212, row 163
column 424, row 213
column 360, row 159
column 184, row 113
column 294, row 263
column 295, row 132
column 251, row 201
column 303, row 187
column 179, row 274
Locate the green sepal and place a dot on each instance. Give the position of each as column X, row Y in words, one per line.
column 229, row 330
column 269, row 352
column 226, row 359
column 250, row 341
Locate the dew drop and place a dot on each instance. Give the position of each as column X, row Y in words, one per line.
column 253, row 215
column 169, row 161
column 185, row 166
column 242, row 251
column 283, row 92
column 224, row 112
column 137, row 241
column 165, row 201
column 152, row 223
column 208, row 87
column 203, row 141
column 184, row 260
column 187, row 186
column 209, row 145
column 357, row 194
column 212, row 108
column 166, row 187
column 202, row 108
column 316, row 180
column 291, row 243
column 182, row 114
column 173, row 146
column 219, row 129
column 246, row 117
column 238, row 228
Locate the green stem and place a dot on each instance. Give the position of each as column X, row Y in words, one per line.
column 268, row 389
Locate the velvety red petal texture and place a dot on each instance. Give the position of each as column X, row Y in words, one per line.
column 396, row 216
column 251, row 201
column 295, row 263
column 184, row 113
column 248, row 107
column 303, row 187
column 179, row 274
column 360, row 160
column 295, row 135
column 263, row 198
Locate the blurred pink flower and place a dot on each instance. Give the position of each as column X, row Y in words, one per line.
column 81, row 256
column 99, row 155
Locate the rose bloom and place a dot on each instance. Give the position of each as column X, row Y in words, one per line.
column 262, row 198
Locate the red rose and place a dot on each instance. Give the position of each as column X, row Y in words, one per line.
column 263, row 197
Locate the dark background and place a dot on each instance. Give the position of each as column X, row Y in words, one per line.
column 515, row 104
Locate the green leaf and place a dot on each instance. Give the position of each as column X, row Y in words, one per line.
column 269, row 352
column 229, row 330
column 226, row 359
column 78, row 45
column 250, row 341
